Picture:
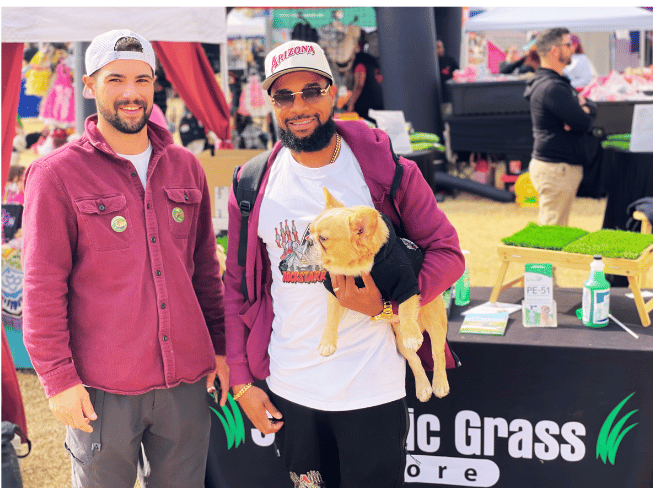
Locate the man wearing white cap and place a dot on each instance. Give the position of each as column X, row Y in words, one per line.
column 339, row 420
column 124, row 316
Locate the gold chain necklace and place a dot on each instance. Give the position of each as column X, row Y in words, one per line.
column 336, row 151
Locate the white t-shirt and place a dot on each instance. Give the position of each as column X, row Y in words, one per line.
column 141, row 162
column 366, row 369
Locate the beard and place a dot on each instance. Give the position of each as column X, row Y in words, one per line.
column 317, row 141
column 566, row 61
column 121, row 125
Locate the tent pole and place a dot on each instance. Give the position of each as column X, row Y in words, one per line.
column 224, row 69
column 79, row 88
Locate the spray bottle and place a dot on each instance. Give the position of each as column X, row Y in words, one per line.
column 461, row 293
column 596, row 296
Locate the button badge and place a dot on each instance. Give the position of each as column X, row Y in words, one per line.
column 178, row 214
column 119, row 223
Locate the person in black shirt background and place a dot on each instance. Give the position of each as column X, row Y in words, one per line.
column 366, row 93
column 447, row 66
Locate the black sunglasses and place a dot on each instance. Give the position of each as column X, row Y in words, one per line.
column 311, row 94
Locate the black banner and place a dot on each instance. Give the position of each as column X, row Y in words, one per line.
column 536, row 408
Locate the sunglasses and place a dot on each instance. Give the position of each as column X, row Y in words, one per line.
column 310, row 94
column 568, row 44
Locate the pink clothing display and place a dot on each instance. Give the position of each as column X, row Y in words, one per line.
column 58, row 106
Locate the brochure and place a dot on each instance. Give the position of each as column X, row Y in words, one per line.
column 489, row 307
column 485, row 323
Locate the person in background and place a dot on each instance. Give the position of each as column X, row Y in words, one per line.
column 123, row 313
column 338, row 420
column 366, row 93
column 532, row 61
column 515, row 64
column 512, row 56
column 447, row 66
column 15, row 187
column 560, row 117
column 580, row 71
column 161, row 85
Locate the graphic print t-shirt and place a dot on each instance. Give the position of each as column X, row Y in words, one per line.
column 366, row 369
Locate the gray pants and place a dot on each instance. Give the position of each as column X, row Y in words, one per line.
column 161, row 436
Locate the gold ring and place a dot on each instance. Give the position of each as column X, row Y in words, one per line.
column 336, row 289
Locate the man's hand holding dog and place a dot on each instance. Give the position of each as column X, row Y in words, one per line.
column 365, row 300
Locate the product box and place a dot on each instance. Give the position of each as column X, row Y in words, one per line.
column 538, row 304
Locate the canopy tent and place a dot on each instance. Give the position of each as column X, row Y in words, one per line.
column 576, row 19
column 63, row 24
column 239, row 25
column 170, row 29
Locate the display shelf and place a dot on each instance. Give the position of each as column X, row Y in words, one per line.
column 633, row 269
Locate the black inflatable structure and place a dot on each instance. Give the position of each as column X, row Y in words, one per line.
column 447, row 180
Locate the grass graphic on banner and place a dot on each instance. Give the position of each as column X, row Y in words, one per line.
column 610, row 437
column 233, row 424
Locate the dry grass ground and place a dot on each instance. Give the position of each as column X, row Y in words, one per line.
column 481, row 223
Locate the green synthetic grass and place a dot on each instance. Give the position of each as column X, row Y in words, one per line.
column 551, row 237
column 619, row 141
column 222, row 240
column 611, row 244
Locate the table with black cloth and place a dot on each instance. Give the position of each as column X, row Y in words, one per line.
column 510, row 134
column 630, row 177
column 526, row 409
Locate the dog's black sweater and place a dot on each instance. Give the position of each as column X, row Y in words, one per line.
column 395, row 270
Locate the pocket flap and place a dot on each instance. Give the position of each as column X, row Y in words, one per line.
column 184, row 195
column 101, row 204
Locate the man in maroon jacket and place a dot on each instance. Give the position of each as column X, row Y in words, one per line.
column 124, row 318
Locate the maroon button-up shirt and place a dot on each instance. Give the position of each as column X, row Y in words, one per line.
column 122, row 285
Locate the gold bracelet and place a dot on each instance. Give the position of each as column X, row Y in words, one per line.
column 386, row 313
column 242, row 391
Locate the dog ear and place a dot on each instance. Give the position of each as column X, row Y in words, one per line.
column 330, row 200
column 363, row 223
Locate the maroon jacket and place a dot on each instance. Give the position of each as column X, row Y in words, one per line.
column 122, row 286
column 249, row 325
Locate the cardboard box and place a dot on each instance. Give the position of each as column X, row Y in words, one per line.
column 219, row 170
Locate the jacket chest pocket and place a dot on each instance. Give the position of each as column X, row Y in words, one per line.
column 107, row 222
column 183, row 204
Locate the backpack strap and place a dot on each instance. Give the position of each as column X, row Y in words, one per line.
column 396, row 181
column 246, row 189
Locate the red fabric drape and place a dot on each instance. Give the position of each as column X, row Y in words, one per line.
column 12, row 401
column 12, row 59
column 189, row 71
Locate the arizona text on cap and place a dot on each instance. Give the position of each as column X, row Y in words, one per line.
column 295, row 56
column 102, row 51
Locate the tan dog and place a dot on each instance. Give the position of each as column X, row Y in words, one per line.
column 349, row 239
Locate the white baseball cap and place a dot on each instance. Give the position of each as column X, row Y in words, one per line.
column 102, row 51
column 295, row 56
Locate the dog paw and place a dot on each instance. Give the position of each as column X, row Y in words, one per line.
column 413, row 343
column 423, row 394
column 441, row 390
column 326, row 349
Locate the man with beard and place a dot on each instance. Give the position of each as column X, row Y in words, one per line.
column 339, row 420
column 560, row 117
column 124, row 315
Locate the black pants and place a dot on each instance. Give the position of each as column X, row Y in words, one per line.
column 350, row 449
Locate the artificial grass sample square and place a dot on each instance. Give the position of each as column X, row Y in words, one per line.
column 552, row 237
column 611, row 243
